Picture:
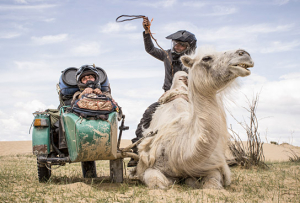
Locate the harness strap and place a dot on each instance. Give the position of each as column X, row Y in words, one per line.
column 185, row 97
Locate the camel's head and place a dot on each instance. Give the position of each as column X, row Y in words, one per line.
column 212, row 70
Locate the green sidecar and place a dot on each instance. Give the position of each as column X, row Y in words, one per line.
column 60, row 137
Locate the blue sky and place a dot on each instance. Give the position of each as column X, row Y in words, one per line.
column 39, row 39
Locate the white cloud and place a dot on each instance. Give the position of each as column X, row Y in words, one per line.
column 194, row 4
column 2, row 114
column 222, row 10
column 139, row 93
column 22, row 94
column 87, row 49
column 267, row 28
column 31, row 65
column 133, row 109
column 26, row 7
column 290, row 76
column 278, row 106
column 278, row 46
column 137, row 73
column 9, row 35
column 241, row 32
column 180, row 25
column 49, row 20
column 21, row 1
column 39, row 72
column 50, row 39
column 31, row 106
column 114, row 27
column 281, row 2
column 161, row 3
column 15, row 125
column 276, row 94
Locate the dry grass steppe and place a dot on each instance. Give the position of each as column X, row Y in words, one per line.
column 19, row 183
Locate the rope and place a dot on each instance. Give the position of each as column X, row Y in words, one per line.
column 134, row 17
column 52, row 169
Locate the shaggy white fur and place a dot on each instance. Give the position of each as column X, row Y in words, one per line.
column 192, row 136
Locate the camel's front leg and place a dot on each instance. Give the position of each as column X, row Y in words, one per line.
column 154, row 178
column 213, row 180
column 226, row 175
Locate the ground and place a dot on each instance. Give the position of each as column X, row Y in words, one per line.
column 18, row 181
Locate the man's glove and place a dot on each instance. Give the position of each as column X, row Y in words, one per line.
column 146, row 25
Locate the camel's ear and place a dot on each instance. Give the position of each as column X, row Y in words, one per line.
column 187, row 61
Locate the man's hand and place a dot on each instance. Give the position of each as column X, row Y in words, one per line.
column 97, row 91
column 146, row 25
column 87, row 90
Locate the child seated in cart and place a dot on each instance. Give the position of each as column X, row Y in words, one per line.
column 88, row 82
column 90, row 100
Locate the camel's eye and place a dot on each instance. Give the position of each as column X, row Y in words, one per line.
column 242, row 52
column 206, row 58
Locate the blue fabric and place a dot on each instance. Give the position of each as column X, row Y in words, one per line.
column 105, row 85
column 67, row 90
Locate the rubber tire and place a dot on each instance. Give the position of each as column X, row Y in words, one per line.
column 89, row 169
column 44, row 173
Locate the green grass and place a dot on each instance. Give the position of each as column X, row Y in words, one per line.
column 19, row 183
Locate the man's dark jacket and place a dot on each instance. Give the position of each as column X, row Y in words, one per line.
column 161, row 55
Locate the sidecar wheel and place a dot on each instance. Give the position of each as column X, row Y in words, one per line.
column 43, row 172
column 89, row 169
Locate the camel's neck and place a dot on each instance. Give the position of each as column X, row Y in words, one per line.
column 207, row 119
column 204, row 108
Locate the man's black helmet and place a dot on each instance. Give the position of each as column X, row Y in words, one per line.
column 87, row 70
column 184, row 36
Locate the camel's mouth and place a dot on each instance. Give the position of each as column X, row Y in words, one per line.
column 243, row 65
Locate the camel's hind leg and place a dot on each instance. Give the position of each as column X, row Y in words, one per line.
column 153, row 178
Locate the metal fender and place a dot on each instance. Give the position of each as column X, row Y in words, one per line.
column 41, row 135
column 90, row 140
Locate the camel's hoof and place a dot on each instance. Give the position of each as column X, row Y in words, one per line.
column 193, row 183
column 212, row 183
column 132, row 173
column 227, row 181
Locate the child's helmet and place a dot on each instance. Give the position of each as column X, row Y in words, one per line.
column 87, row 70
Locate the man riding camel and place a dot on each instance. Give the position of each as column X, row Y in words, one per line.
column 183, row 42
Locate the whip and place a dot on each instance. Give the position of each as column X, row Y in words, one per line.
column 134, row 17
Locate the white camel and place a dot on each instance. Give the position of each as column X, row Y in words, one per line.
column 191, row 129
